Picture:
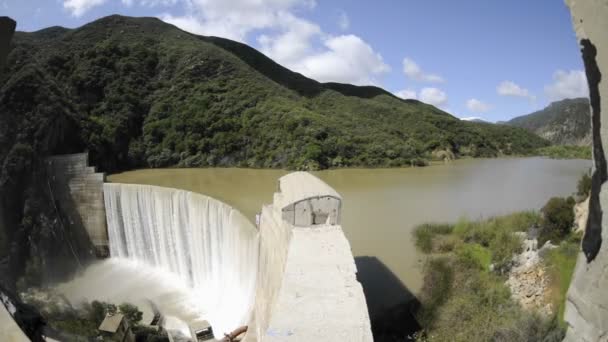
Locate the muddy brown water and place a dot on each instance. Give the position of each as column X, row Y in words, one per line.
column 382, row 206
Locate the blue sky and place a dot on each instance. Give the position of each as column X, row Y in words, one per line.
column 474, row 58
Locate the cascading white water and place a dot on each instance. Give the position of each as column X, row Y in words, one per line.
column 210, row 246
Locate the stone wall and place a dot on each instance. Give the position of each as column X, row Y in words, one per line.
column 78, row 194
column 587, row 301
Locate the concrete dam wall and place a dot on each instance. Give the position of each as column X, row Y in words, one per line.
column 210, row 246
column 285, row 282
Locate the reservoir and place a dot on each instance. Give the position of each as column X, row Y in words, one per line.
column 382, row 206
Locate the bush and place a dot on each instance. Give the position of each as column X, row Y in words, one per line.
column 531, row 327
column 557, row 220
column 474, row 256
column 474, row 232
column 131, row 312
column 447, row 244
column 583, row 187
column 424, row 234
column 437, row 283
column 503, row 246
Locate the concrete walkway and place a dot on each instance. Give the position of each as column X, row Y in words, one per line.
column 320, row 298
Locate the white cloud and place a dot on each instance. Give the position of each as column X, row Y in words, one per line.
column 509, row 88
column 414, row 72
column 343, row 21
column 406, row 94
column 347, row 59
column 79, row 7
column 433, row 96
column 290, row 40
column 293, row 43
column 476, row 106
column 567, row 84
column 186, row 23
column 234, row 19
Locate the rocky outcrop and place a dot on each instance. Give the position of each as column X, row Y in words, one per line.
column 528, row 280
column 587, row 302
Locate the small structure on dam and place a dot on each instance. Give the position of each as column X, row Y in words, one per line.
column 78, row 194
column 307, row 201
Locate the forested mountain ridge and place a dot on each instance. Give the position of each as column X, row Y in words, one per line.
column 565, row 122
column 137, row 92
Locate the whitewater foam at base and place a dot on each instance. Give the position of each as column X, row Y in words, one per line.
column 208, row 245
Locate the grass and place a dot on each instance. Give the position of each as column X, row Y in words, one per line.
column 464, row 299
column 425, row 233
column 474, row 256
column 560, row 263
column 565, row 152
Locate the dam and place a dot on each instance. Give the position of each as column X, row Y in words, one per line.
column 291, row 277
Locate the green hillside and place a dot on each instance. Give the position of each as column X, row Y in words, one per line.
column 137, row 92
column 565, row 122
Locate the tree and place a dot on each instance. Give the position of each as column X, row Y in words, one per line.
column 584, row 185
column 99, row 310
column 558, row 218
column 131, row 312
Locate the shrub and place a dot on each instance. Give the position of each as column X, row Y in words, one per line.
column 557, row 220
column 583, row 187
column 131, row 312
column 437, row 283
column 531, row 327
column 474, row 256
column 503, row 246
column 518, row 222
column 424, row 234
column 447, row 244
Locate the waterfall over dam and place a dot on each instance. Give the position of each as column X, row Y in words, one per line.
column 209, row 245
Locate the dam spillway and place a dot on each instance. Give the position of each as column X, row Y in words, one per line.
column 212, row 247
column 292, row 278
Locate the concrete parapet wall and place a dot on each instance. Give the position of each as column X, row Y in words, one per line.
column 78, row 193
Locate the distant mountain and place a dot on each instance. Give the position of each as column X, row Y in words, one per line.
column 565, row 122
column 477, row 120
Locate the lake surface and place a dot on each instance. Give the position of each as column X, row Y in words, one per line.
column 382, row 206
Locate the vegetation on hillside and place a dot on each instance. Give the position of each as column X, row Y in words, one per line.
column 464, row 296
column 565, row 152
column 141, row 93
column 565, row 122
